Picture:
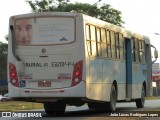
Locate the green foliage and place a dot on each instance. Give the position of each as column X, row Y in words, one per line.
column 3, row 48
column 3, row 60
column 3, row 66
column 105, row 12
column 110, row 15
column 19, row 105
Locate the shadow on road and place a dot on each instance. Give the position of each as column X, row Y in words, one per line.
column 92, row 113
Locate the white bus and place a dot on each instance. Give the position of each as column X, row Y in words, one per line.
column 60, row 58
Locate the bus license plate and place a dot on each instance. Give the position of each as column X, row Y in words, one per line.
column 44, row 84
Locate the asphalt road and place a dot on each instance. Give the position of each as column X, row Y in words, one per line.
column 83, row 113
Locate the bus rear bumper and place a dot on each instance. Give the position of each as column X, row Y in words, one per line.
column 76, row 91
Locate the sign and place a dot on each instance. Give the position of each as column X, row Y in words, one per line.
column 64, row 76
column 155, row 71
column 155, row 66
column 155, row 77
column 154, row 84
column 22, row 83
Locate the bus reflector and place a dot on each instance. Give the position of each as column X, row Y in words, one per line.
column 12, row 68
column 77, row 73
column 61, row 91
column 26, row 91
column 13, row 75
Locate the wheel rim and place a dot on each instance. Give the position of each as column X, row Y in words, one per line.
column 113, row 99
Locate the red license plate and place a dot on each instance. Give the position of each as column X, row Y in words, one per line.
column 44, row 84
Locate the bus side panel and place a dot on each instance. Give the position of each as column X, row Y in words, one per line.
column 114, row 70
column 136, row 80
column 121, row 80
column 95, row 75
column 139, row 76
column 136, row 90
column 101, row 77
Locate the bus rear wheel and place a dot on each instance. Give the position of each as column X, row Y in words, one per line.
column 140, row 102
column 54, row 107
column 106, row 106
column 111, row 106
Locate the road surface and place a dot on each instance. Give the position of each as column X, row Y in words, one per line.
column 83, row 113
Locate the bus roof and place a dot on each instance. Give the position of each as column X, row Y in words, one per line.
column 126, row 33
column 39, row 14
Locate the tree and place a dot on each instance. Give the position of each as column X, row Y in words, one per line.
column 3, row 59
column 3, row 48
column 105, row 12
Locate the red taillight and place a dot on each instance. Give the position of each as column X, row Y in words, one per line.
column 77, row 73
column 13, row 75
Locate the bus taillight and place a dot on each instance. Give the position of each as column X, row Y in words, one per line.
column 77, row 73
column 13, row 75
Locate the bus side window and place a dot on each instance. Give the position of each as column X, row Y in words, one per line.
column 104, row 44
column 121, row 45
column 109, row 52
column 117, row 46
column 135, row 51
column 112, row 36
column 88, row 37
column 142, row 51
column 93, row 41
column 99, row 42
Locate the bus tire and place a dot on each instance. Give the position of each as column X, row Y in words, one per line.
column 91, row 106
column 111, row 106
column 48, row 108
column 54, row 107
column 140, row 102
column 60, row 107
column 100, row 107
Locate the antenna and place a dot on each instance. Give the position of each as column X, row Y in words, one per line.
column 97, row 2
column 94, row 4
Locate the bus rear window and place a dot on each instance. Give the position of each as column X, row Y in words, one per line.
column 45, row 31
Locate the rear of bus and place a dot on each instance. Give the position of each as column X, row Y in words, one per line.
column 46, row 57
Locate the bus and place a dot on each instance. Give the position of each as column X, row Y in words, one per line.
column 62, row 58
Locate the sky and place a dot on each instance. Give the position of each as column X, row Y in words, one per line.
column 141, row 16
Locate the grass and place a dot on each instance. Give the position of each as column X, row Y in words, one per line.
column 152, row 98
column 19, row 105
